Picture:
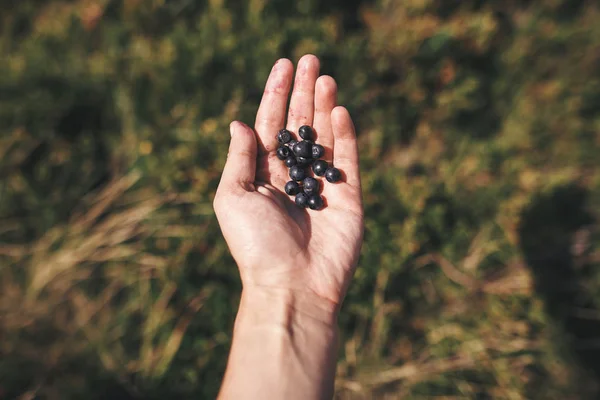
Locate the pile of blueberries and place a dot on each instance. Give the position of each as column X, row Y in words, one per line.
column 297, row 156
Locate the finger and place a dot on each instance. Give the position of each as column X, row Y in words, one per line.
column 302, row 103
column 345, row 148
column 270, row 117
column 325, row 101
column 239, row 171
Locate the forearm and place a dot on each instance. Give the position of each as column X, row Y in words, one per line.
column 284, row 347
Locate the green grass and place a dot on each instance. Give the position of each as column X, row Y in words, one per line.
column 479, row 130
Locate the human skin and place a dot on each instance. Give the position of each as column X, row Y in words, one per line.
column 295, row 264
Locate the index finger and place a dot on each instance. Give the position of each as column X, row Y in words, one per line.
column 270, row 117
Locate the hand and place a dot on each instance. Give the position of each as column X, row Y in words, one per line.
column 277, row 246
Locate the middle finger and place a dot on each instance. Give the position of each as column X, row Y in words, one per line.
column 302, row 103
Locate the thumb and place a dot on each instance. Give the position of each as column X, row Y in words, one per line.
column 240, row 168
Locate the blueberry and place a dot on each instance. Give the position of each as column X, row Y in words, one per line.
column 317, row 151
column 292, row 143
column 292, row 188
column 333, row 175
column 303, row 149
column 283, row 152
column 303, row 161
column 305, row 132
column 315, row 202
column 311, row 185
column 319, row 167
column 290, row 161
column 284, row 136
column 297, row 173
column 301, row 200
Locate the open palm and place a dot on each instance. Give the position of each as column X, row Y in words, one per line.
column 276, row 244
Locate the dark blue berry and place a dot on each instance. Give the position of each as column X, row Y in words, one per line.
column 290, row 161
column 283, row 152
column 301, row 200
column 297, row 173
column 292, row 143
column 284, row 136
column 303, row 161
column 315, row 202
column 320, row 167
column 310, row 185
column 333, row 175
column 303, row 149
column 305, row 132
column 292, row 188
column 317, row 151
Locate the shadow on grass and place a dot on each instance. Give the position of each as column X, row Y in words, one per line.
column 550, row 234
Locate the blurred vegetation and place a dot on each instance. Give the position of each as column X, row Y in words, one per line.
column 480, row 146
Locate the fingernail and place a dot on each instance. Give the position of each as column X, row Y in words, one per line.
column 231, row 128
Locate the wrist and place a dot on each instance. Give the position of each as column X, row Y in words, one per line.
column 286, row 309
column 284, row 346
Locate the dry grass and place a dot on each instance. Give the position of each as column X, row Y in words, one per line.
column 45, row 288
column 478, row 128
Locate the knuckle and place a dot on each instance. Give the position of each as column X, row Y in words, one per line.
column 241, row 153
column 344, row 160
column 245, row 153
column 275, row 90
column 296, row 115
column 267, row 122
column 302, row 90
